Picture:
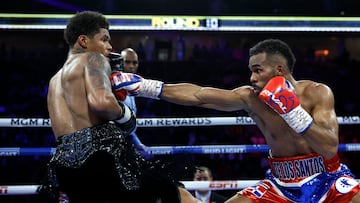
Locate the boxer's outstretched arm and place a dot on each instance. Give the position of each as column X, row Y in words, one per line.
column 207, row 97
column 187, row 94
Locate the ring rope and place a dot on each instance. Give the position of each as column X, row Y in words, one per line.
column 189, row 185
column 165, row 122
column 166, row 150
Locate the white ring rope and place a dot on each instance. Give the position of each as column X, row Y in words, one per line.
column 189, row 185
column 164, row 122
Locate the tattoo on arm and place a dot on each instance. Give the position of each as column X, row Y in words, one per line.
column 98, row 70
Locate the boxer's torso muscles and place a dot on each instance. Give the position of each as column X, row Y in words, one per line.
column 282, row 140
column 67, row 99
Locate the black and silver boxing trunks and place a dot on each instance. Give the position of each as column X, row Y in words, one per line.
column 134, row 172
column 74, row 149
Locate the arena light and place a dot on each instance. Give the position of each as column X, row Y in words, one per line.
column 192, row 23
column 322, row 52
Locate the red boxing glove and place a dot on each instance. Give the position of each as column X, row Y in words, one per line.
column 126, row 81
column 135, row 85
column 120, row 94
column 280, row 95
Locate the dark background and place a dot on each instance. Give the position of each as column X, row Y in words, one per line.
column 28, row 58
column 189, row 7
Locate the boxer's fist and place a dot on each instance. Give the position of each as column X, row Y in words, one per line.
column 127, row 120
column 279, row 94
column 135, row 85
column 120, row 94
column 116, row 61
column 128, row 82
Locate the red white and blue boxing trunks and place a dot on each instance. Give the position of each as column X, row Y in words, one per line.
column 304, row 179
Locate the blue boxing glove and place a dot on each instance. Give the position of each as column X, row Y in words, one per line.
column 135, row 85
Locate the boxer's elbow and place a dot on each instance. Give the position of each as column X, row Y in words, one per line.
column 105, row 106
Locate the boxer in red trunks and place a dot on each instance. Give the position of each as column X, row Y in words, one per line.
column 296, row 117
